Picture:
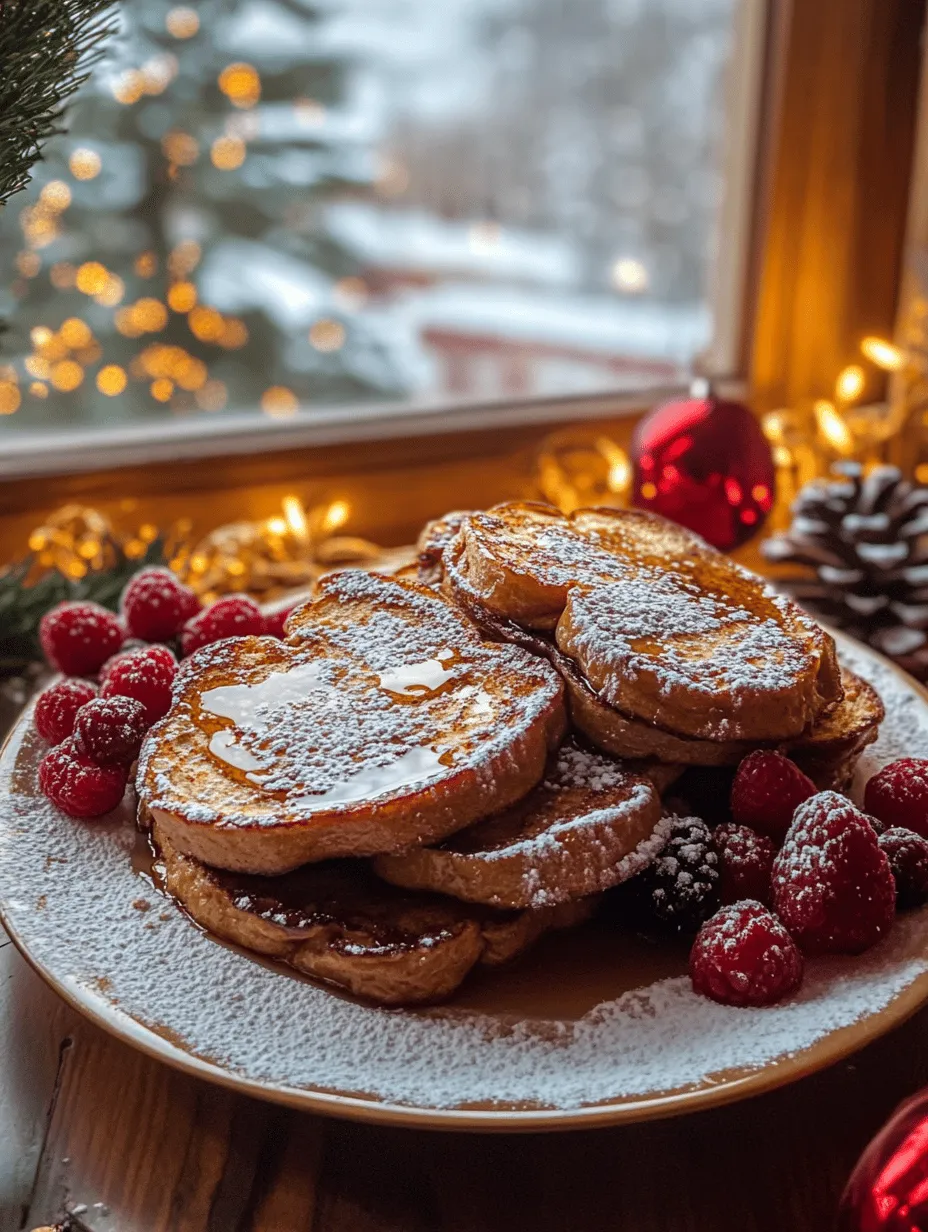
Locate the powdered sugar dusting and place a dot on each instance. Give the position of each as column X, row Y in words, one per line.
column 250, row 1021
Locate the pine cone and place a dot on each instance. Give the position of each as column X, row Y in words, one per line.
column 867, row 541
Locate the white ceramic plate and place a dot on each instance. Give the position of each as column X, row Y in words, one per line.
column 592, row 1027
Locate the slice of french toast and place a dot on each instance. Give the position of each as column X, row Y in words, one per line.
column 664, row 628
column 591, row 823
column 337, row 922
column 383, row 720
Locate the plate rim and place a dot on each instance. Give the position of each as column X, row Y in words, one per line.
column 828, row 1050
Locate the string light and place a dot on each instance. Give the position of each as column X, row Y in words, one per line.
column 28, row 263
column 833, row 427
column 227, row 153
column 234, row 334
column 62, row 275
column 240, row 84
column 39, row 335
column 38, row 367
column 850, row 383
column 182, row 22
column 75, row 333
column 205, row 323
column 279, row 402
column 56, row 195
column 158, row 73
column 184, row 259
column 161, row 389
column 146, row 264
column 182, row 296
column 883, row 354
column 111, row 380
column 67, row 375
column 129, row 87
column 629, row 275
column 85, row 164
column 180, row 148
column 112, row 291
column 91, row 277
column 38, row 389
column 149, row 315
column 327, row 335
column 335, row 516
column 10, row 398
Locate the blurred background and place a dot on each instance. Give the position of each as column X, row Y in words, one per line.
column 289, row 204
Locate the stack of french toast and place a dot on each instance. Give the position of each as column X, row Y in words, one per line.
column 435, row 767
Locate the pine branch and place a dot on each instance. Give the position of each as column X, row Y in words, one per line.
column 22, row 606
column 46, row 50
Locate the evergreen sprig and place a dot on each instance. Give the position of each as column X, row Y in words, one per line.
column 46, row 50
column 22, row 605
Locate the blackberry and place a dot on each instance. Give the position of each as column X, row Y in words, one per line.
column 681, row 887
column 907, row 853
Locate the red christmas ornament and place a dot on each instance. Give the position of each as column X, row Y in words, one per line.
column 706, row 464
column 888, row 1190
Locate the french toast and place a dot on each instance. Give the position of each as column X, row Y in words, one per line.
column 382, row 721
column 588, row 825
column 339, row 923
column 662, row 627
column 433, row 539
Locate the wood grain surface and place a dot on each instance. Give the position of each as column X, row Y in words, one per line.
column 127, row 1145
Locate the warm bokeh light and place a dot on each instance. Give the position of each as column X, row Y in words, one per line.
column 833, row 427
column 850, row 383
column 335, row 516
column 129, row 87
column 279, row 402
column 38, row 367
column 883, row 353
column 149, row 315
column 62, row 275
column 629, row 275
column 111, row 380
column 28, row 263
column 75, row 333
column 227, row 153
column 294, row 516
column 158, row 73
column 161, row 389
column 146, row 264
column 39, row 224
column 183, row 259
column 182, row 296
column 85, row 164
column 205, row 323
column 351, row 293
column 180, row 148
column 39, row 335
column 52, row 348
column 10, row 398
column 213, row 396
column 67, row 375
column 182, row 22
column 240, row 84
column 190, row 373
column 38, row 389
column 56, row 195
column 234, row 334
column 91, row 277
column 111, row 292
column 327, row 335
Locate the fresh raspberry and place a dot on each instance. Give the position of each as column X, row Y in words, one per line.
column 832, row 885
column 147, row 675
column 78, row 637
column 680, row 888
column 77, row 785
column 907, row 853
column 57, row 707
column 157, row 654
column 230, row 616
column 745, row 863
column 274, row 621
column 768, row 788
column 156, row 605
column 744, row 956
column 110, row 730
column 898, row 795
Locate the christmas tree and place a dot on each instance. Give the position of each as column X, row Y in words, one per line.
column 173, row 250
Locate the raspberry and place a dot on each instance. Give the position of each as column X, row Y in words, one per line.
column 230, row 616
column 274, row 621
column 907, row 853
column 768, row 788
column 745, row 863
column 78, row 637
column 77, row 785
column 147, row 675
column 110, row 730
column 681, row 887
column 898, row 795
column 57, row 707
column 156, row 605
column 832, row 885
column 157, row 654
column 744, row 956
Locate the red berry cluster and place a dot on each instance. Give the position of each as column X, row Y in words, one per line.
column 803, row 872
column 97, row 725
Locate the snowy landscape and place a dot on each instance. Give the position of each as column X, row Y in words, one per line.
column 298, row 203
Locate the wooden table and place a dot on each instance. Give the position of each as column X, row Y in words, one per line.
column 89, row 1126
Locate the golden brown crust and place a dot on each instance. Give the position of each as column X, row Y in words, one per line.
column 483, row 733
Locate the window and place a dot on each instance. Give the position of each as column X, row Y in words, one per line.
column 290, row 207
